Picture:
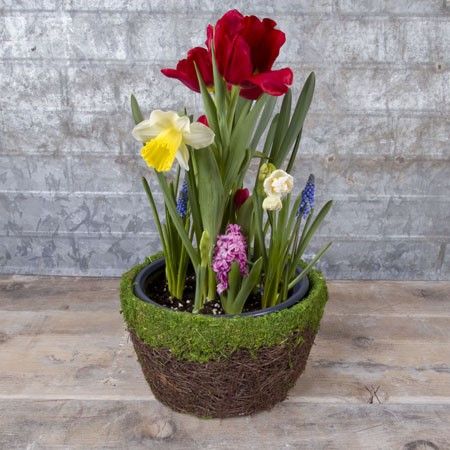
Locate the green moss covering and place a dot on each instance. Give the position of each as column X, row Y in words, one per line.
column 201, row 338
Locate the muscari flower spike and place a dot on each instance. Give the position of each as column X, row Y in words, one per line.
column 307, row 203
column 230, row 247
column 183, row 200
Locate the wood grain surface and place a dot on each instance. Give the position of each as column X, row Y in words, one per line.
column 378, row 376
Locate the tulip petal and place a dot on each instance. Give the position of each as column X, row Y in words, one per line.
column 204, row 120
column 185, row 71
column 199, row 136
column 251, row 93
column 274, row 82
column 160, row 152
column 264, row 40
column 239, row 63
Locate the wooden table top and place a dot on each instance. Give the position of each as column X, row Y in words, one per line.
column 378, row 376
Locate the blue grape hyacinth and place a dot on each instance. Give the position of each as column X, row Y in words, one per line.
column 183, row 200
column 307, row 202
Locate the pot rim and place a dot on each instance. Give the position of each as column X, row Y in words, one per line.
column 299, row 292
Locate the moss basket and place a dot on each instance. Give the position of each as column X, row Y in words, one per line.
column 221, row 367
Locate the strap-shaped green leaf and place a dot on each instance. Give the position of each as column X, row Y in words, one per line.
column 193, row 199
column 240, row 140
column 247, row 285
column 282, row 126
column 234, row 282
column 178, row 223
column 309, row 266
column 313, row 228
column 210, row 191
column 220, row 89
column 271, row 134
column 298, row 118
column 136, row 111
column 294, row 152
column 264, row 121
column 210, row 107
column 156, row 218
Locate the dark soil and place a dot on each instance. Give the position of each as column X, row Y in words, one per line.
column 158, row 291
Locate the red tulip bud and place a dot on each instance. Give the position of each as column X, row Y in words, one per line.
column 240, row 197
column 204, row 120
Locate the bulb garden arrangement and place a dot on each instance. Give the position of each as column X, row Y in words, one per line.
column 223, row 318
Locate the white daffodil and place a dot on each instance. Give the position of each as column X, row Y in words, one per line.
column 272, row 203
column 278, row 183
column 166, row 134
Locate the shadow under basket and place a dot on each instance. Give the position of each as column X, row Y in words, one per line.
column 221, row 366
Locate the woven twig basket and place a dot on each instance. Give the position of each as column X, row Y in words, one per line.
column 218, row 367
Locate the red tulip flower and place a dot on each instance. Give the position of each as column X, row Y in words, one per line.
column 245, row 48
column 240, row 197
column 185, row 71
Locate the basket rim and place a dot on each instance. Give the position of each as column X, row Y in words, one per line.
column 202, row 338
column 299, row 292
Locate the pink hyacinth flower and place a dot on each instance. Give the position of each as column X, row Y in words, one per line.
column 230, row 247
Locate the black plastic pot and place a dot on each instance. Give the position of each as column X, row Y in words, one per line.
column 145, row 277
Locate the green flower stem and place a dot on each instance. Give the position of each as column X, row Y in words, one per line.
column 212, row 284
column 200, row 289
column 171, row 207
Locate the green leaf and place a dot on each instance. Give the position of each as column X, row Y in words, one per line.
column 260, row 155
column 298, row 118
column 271, row 134
column 245, row 215
column 220, row 88
column 306, row 270
column 208, row 104
column 193, row 199
column 136, row 111
column 258, row 226
column 240, row 141
column 264, row 121
column 313, row 228
column 294, row 152
column 242, row 108
column 210, row 191
column 282, row 125
column 234, row 282
column 151, row 200
column 178, row 223
column 247, row 285
column 293, row 214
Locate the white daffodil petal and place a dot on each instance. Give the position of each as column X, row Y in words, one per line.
column 182, row 156
column 163, row 119
column 200, row 136
column 145, row 131
column 183, row 124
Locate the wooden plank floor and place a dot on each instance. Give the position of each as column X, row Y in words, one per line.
column 378, row 375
